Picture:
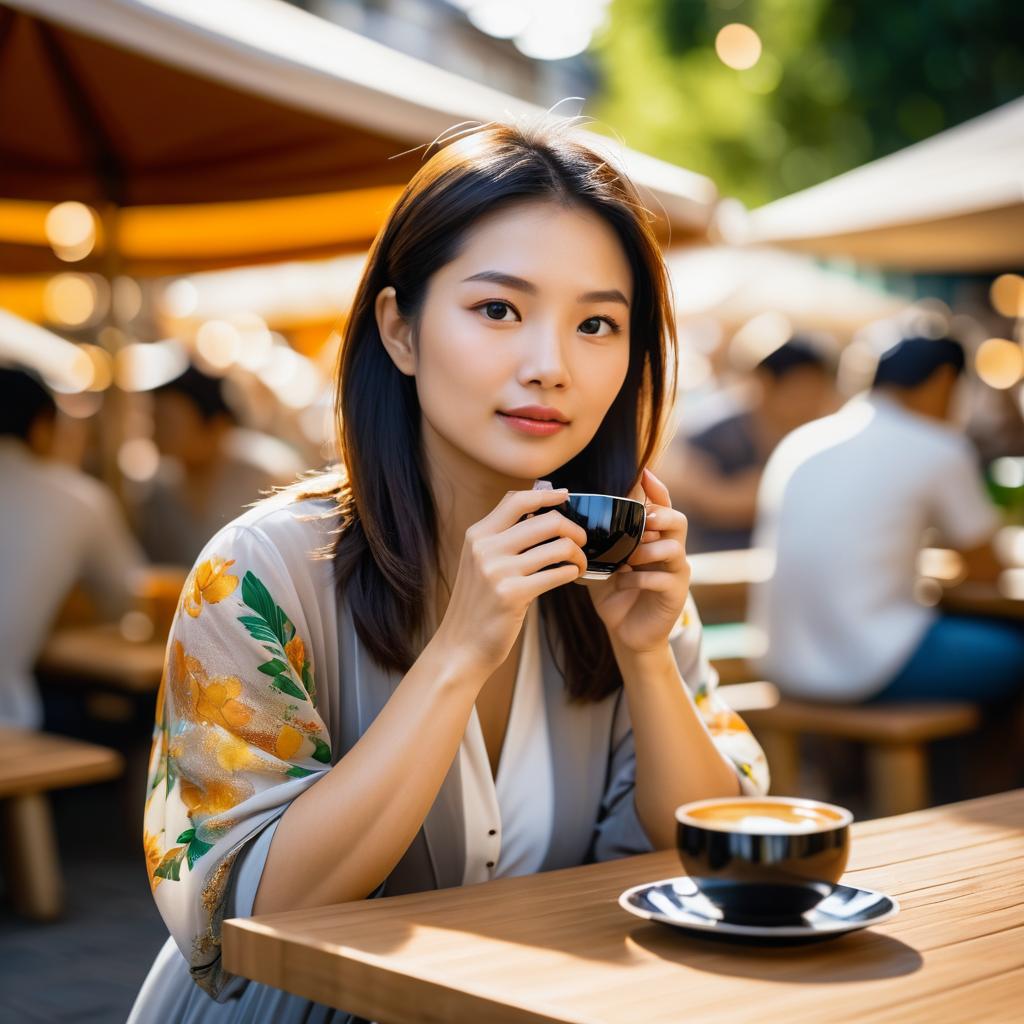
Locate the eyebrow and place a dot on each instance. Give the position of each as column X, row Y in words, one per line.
column 511, row 281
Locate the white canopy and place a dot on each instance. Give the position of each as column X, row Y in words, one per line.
column 954, row 202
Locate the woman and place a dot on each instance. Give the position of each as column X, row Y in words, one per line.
column 352, row 706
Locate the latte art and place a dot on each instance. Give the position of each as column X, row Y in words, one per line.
column 760, row 818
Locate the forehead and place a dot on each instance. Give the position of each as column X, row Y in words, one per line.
column 547, row 243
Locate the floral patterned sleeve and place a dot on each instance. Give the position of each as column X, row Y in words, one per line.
column 237, row 735
column 727, row 729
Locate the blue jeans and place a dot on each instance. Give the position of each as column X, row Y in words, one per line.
column 963, row 658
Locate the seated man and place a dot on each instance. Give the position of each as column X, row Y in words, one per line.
column 211, row 468
column 844, row 504
column 713, row 476
column 57, row 526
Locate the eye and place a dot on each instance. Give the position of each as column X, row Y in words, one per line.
column 498, row 307
column 612, row 324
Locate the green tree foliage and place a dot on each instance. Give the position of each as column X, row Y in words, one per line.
column 839, row 82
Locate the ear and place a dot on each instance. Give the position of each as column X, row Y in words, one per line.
column 395, row 331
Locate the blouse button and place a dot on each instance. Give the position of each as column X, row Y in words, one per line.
column 492, row 831
column 490, row 863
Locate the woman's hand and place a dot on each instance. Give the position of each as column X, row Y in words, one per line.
column 507, row 561
column 642, row 600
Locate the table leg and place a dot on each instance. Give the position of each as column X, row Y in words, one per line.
column 34, row 875
column 782, row 749
column 897, row 778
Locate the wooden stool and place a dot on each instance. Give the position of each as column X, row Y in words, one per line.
column 30, row 764
column 896, row 737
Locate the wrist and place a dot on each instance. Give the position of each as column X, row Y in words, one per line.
column 655, row 661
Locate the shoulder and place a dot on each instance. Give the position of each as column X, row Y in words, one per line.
column 288, row 533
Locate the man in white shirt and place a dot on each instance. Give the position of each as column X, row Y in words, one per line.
column 844, row 504
column 57, row 526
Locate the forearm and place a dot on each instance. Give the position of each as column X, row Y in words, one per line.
column 676, row 759
column 349, row 830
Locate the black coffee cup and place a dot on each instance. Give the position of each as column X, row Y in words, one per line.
column 614, row 527
column 763, row 860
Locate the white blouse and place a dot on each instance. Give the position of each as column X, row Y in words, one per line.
column 509, row 819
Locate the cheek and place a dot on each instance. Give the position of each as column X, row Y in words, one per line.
column 460, row 376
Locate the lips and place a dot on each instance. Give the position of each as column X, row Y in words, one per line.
column 538, row 413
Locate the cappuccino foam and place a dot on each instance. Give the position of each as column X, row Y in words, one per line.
column 783, row 819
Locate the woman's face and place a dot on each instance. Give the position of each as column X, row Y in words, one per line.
column 533, row 312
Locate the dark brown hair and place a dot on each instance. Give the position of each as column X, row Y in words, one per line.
column 386, row 551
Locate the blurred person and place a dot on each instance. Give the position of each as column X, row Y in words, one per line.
column 210, row 470
column 58, row 526
column 845, row 504
column 714, row 474
column 381, row 682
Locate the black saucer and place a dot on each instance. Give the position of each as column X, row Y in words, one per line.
column 676, row 902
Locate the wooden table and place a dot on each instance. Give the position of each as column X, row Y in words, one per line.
column 557, row 947
column 31, row 764
column 102, row 654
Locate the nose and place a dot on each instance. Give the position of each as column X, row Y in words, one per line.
column 543, row 360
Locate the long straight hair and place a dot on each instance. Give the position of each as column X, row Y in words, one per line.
column 386, row 548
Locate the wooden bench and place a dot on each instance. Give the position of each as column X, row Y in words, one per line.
column 895, row 735
column 31, row 763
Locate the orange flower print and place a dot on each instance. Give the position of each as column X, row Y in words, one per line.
column 296, row 651
column 154, row 854
column 210, row 582
column 288, row 741
column 216, row 701
column 725, row 720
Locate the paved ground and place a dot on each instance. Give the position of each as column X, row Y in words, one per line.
column 87, row 967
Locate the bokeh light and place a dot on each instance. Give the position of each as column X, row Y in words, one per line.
column 219, row 343
column 999, row 363
column 738, row 46
column 138, row 459
column 102, row 373
column 1007, row 295
column 71, row 231
column 70, row 299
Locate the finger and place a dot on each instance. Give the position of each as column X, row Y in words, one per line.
column 543, row 556
column 669, row 551
column 541, row 526
column 517, row 505
column 659, row 581
column 655, row 489
column 668, row 521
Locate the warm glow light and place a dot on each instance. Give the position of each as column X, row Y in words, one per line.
column 70, row 299
column 143, row 366
column 138, row 459
column 71, row 231
column 219, row 343
column 1007, row 295
column 999, row 363
column 738, row 46
column 102, row 367
column 180, row 298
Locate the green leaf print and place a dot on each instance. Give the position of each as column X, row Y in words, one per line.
column 257, row 597
column 295, row 772
column 308, row 682
column 285, row 685
column 196, row 849
column 186, row 835
column 171, row 867
column 274, row 668
column 322, row 752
